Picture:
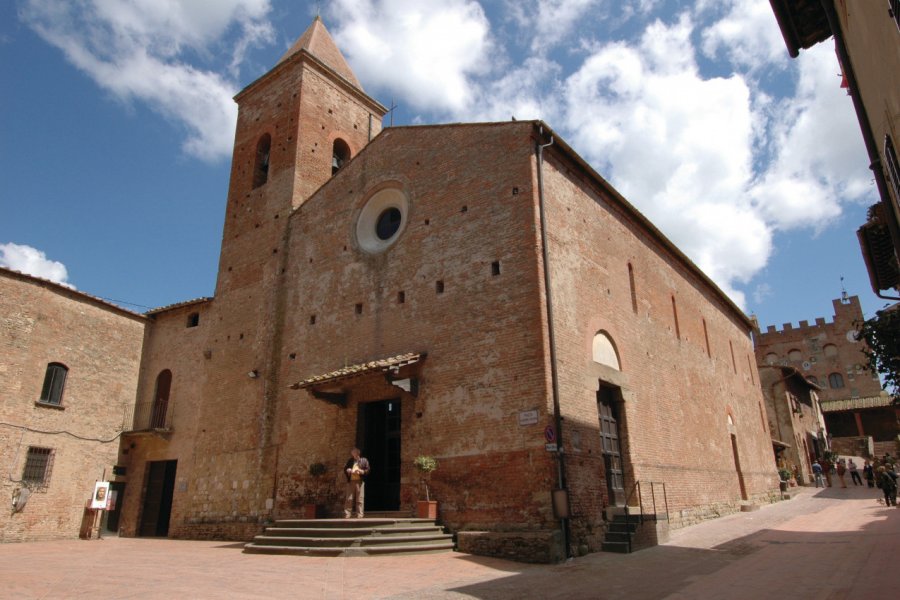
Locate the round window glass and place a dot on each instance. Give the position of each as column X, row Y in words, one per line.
column 388, row 223
column 382, row 220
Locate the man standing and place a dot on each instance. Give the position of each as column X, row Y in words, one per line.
column 854, row 473
column 817, row 474
column 356, row 470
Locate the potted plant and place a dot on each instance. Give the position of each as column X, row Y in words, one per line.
column 425, row 465
column 311, row 508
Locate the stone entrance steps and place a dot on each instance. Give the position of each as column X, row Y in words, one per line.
column 629, row 533
column 351, row 537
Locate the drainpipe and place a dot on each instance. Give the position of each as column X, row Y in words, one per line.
column 554, row 371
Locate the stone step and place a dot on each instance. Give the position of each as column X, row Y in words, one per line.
column 351, row 523
column 622, row 527
column 253, row 548
column 618, row 547
column 612, row 536
column 375, row 540
column 351, row 537
column 334, row 532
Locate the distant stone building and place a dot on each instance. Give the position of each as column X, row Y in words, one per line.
column 69, row 367
column 829, row 355
column 866, row 37
column 795, row 419
column 473, row 292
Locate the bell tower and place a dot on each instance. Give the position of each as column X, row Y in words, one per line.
column 297, row 125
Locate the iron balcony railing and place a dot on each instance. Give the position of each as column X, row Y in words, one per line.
column 149, row 416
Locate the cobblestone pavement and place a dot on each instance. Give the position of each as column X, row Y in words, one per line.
column 823, row 544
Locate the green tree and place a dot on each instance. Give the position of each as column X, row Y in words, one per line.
column 882, row 336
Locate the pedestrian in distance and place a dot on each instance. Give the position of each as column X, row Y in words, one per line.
column 869, row 474
column 887, row 481
column 841, row 471
column 854, row 472
column 817, row 474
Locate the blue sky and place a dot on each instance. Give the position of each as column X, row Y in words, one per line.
column 116, row 123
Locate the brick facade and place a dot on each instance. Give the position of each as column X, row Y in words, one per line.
column 100, row 345
column 460, row 285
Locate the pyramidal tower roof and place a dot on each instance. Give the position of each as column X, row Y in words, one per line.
column 317, row 41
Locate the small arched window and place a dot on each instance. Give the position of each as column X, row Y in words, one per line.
column 161, row 400
column 830, row 350
column 261, row 164
column 836, row 381
column 54, row 383
column 771, row 358
column 603, row 351
column 340, row 153
column 795, row 356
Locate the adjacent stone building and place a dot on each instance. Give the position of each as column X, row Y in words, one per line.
column 473, row 292
column 69, row 366
column 829, row 355
column 795, row 420
column 866, row 38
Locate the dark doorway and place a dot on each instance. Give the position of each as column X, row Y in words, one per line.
column 737, row 466
column 116, row 495
column 607, row 408
column 158, row 498
column 379, row 437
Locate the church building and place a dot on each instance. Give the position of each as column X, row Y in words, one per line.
column 476, row 293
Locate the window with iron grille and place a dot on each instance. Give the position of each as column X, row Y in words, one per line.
column 38, row 463
column 54, row 382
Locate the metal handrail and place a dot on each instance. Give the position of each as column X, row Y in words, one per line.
column 636, row 489
column 149, row 416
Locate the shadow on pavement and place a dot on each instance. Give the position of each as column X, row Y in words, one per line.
column 854, row 564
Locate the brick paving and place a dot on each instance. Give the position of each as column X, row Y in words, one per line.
column 835, row 543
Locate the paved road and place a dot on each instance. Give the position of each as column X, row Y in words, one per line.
column 823, row 544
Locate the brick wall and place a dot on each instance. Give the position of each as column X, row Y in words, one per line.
column 41, row 323
column 679, row 382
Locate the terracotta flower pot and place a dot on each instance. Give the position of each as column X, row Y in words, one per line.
column 427, row 509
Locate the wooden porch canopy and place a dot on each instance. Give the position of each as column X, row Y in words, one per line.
column 335, row 381
column 829, row 406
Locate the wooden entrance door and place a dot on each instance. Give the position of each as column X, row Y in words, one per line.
column 379, row 439
column 609, row 439
column 158, row 498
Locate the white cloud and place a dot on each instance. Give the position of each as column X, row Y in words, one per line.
column 748, row 35
column 428, row 51
column 676, row 145
column 32, row 261
column 135, row 49
column 818, row 155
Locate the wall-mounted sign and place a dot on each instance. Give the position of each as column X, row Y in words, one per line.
column 528, row 417
column 549, row 433
column 99, row 499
